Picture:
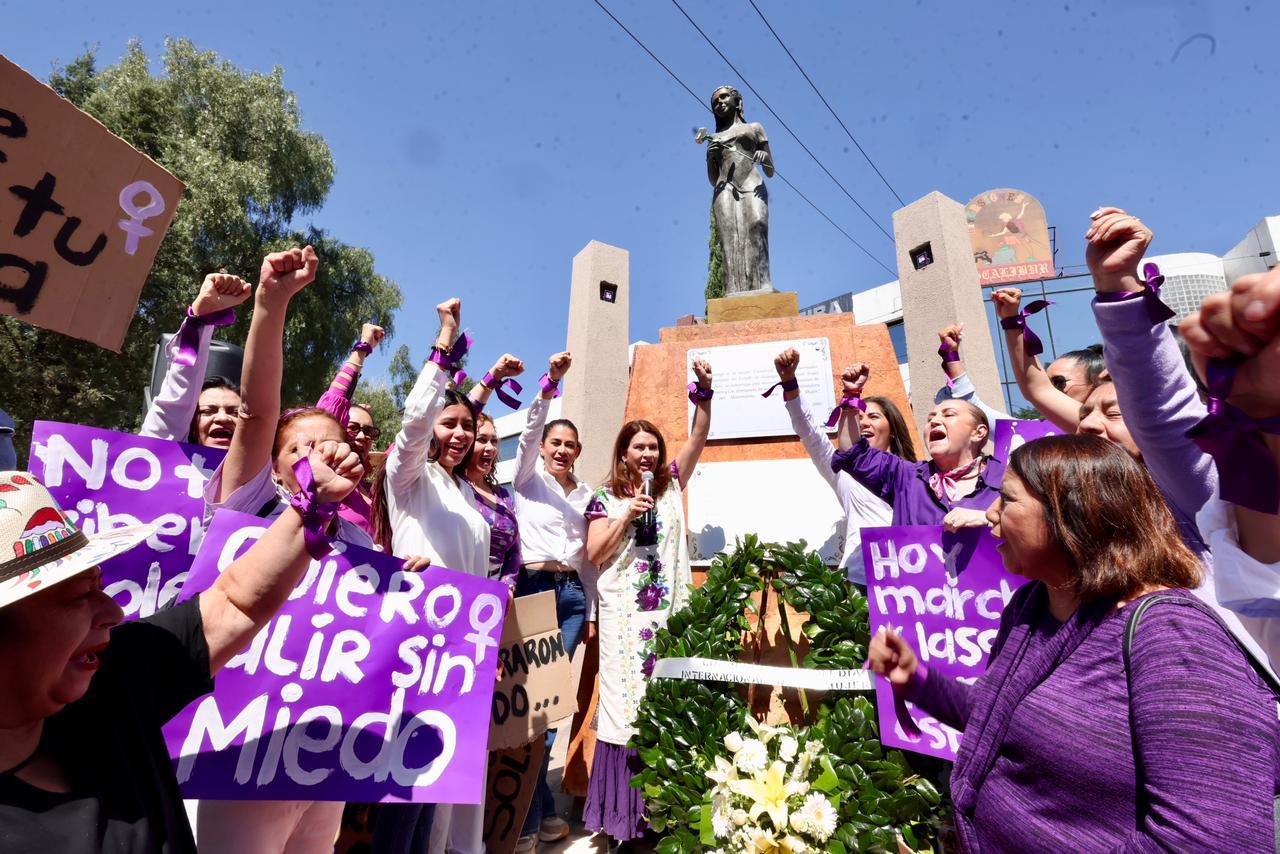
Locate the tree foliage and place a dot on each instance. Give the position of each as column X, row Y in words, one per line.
column 715, row 262
column 236, row 140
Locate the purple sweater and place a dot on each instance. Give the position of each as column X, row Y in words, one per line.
column 1052, row 733
column 904, row 485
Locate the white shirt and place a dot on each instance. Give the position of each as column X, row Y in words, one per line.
column 862, row 508
column 552, row 525
column 432, row 513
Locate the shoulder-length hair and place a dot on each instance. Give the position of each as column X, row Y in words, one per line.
column 1106, row 513
column 619, row 480
column 453, row 397
column 491, row 479
column 379, row 512
column 900, row 443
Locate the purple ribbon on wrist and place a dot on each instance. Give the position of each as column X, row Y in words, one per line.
column 362, row 347
column 1157, row 311
column 549, row 385
column 316, row 515
column 1247, row 473
column 189, row 333
column 1032, row 343
column 698, row 394
column 851, row 401
column 458, row 378
column 949, row 355
column 506, row 397
column 786, row 385
column 448, row 358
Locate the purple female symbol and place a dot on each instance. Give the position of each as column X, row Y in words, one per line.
column 133, row 227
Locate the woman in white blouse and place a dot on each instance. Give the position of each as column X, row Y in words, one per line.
column 550, row 503
column 432, row 510
column 884, row 428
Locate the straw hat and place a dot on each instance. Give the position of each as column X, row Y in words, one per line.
column 38, row 544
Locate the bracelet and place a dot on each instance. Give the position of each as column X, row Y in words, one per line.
column 698, row 394
column 786, row 385
column 362, row 347
column 948, row 355
column 549, row 385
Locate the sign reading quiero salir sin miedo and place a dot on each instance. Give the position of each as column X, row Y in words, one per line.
column 1010, row 237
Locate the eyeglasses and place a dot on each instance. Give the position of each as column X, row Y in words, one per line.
column 354, row 429
column 212, row 411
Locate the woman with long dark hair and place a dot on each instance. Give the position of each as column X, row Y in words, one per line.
column 884, row 428
column 1117, row 711
column 637, row 536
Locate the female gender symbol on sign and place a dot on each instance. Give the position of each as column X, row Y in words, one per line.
column 133, row 227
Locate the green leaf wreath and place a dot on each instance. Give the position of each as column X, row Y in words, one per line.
column 682, row 724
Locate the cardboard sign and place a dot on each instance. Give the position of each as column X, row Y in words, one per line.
column 370, row 684
column 104, row 480
column 536, row 691
column 513, row 777
column 1009, row 434
column 82, row 215
column 944, row 593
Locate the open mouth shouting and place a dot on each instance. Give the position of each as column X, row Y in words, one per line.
column 220, row 435
column 88, row 660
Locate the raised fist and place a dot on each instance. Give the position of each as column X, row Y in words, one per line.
column 219, row 291
column 1117, row 241
column 950, row 337
column 285, row 273
column 507, row 366
column 786, row 363
column 558, row 365
column 1007, row 302
column 855, row 377
column 450, row 314
column 335, row 470
column 702, row 371
column 372, row 334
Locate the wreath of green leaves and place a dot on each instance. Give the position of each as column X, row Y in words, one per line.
column 682, row 723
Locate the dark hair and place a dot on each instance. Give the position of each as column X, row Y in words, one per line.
column 452, row 397
column 900, row 442
column 465, row 463
column 619, row 481
column 560, row 422
column 295, row 415
column 1108, row 516
column 379, row 513
column 1090, row 358
column 215, row 381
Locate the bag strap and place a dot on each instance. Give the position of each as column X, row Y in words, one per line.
column 1131, row 629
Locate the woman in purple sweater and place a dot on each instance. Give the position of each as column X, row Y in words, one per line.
column 1068, row 746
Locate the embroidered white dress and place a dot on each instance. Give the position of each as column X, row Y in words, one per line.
column 637, row 593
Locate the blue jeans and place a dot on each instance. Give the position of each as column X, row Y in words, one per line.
column 402, row 828
column 571, row 614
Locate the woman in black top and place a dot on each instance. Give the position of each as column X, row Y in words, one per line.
column 83, row 765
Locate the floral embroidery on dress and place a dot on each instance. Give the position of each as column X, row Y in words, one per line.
column 652, row 591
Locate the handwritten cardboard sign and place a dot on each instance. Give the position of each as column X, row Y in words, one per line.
column 536, row 691
column 944, row 593
column 82, row 214
column 1009, row 434
column 370, row 684
column 105, row 480
column 512, row 779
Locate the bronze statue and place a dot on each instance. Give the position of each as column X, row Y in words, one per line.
column 740, row 201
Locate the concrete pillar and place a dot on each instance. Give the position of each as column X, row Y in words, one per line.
column 595, row 389
column 943, row 292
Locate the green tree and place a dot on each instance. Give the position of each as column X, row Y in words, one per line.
column 1027, row 413
column 715, row 262
column 236, row 140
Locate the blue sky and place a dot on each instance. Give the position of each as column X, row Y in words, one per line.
column 479, row 146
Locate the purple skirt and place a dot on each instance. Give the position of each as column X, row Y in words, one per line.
column 612, row 805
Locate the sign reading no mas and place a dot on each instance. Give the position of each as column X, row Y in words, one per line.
column 82, row 214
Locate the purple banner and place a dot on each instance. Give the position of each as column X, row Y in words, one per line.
column 944, row 593
column 372, row 684
column 1009, row 434
column 105, row 480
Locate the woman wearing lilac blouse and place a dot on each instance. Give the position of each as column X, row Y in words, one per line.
column 1070, row 743
column 494, row 503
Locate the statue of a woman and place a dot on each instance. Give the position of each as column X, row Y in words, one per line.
column 740, row 201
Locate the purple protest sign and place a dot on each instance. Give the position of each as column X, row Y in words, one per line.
column 944, row 593
column 104, row 480
column 371, row 684
column 1009, row 434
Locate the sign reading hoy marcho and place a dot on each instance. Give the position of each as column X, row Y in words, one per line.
column 82, row 214
column 371, row 684
column 944, row 593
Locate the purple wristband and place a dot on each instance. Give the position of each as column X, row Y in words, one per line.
column 316, row 515
column 448, row 358
column 850, row 401
column 549, row 385
column 1031, row 341
column 189, row 333
column 949, row 355
column 1157, row 311
column 698, row 394
column 362, row 347
column 786, row 385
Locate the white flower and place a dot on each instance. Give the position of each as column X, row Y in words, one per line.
column 753, row 757
column 719, row 823
column 794, row 845
column 800, row 821
column 723, row 772
column 801, row 769
column 761, row 842
column 820, row 815
column 733, row 742
column 739, row 817
column 788, row 748
column 764, row 732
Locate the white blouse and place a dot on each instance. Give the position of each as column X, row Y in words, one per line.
column 552, row 524
column 431, row 512
column 862, row 508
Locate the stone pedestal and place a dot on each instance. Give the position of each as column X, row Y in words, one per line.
column 761, row 306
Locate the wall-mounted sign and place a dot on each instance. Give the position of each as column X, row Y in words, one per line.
column 1010, row 237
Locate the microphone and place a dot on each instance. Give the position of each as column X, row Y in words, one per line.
column 648, row 519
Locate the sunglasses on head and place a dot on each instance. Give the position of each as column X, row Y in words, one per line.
column 354, row 429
